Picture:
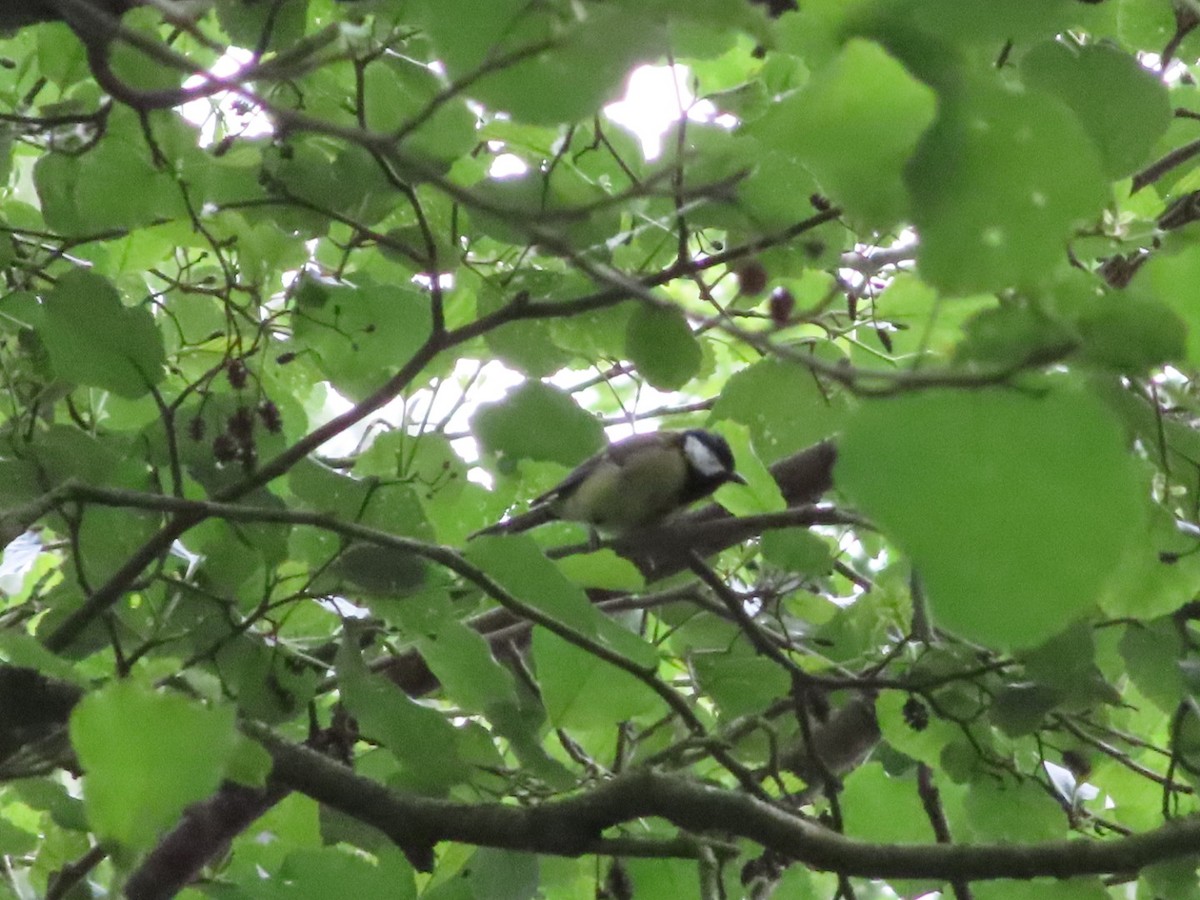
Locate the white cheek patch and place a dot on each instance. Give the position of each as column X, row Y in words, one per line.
column 701, row 457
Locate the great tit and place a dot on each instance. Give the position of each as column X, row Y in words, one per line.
column 633, row 483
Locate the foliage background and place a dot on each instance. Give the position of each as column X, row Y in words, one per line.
column 951, row 244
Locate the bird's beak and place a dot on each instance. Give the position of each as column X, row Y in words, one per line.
column 737, row 479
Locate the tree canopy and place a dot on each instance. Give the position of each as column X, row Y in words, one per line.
column 299, row 294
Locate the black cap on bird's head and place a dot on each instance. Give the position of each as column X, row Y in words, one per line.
column 710, row 462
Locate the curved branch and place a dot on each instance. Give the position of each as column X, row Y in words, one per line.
column 189, row 846
column 19, row 13
column 574, row 826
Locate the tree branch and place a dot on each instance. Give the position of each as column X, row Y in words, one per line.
column 574, row 826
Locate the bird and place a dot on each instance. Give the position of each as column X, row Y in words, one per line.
column 632, row 483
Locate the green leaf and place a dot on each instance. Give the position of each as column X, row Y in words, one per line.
column 95, row 340
column 540, row 422
column 760, row 493
column 584, row 60
column 1173, row 279
column 20, row 649
column 138, row 69
column 115, row 187
column 1054, row 889
column 502, row 875
column 583, row 692
column 259, row 25
column 1013, row 811
column 302, row 168
column 926, row 323
column 459, row 656
column 521, row 568
column 367, row 196
column 266, row 686
column 924, row 745
column 1159, row 575
column 865, row 100
column 990, row 23
column 1152, row 652
column 1126, row 119
column 17, row 841
column 602, row 569
column 1067, row 663
column 740, row 683
column 463, row 664
column 336, row 872
column 664, row 878
column 106, row 539
column 1020, row 709
column 381, row 570
column 999, row 180
column 250, row 763
column 56, row 177
column 60, row 54
column 385, row 504
column 596, row 335
column 795, row 550
column 112, row 186
column 528, row 345
column 1015, row 509
column 562, row 203
column 878, row 807
column 1172, row 878
column 662, row 346
column 430, row 764
column 751, row 396
column 397, row 90
column 147, row 756
column 49, row 796
column 360, row 334
column 767, row 193
column 1014, row 334
column 64, row 453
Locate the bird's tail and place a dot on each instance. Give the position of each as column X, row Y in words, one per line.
column 539, row 515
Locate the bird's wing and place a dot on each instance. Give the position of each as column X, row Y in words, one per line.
column 619, row 453
column 567, row 486
column 516, row 524
column 541, row 507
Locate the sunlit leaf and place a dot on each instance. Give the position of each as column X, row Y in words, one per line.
column 431, row 764
column 538, row 422
column 562, row 67
column 1014, row 508
column 662, row 346
column 361, row 333
column 583, row 691
column 95, row 340
column 999, row 181
column 148, row 755
column 1135, row 109
column 863, row 101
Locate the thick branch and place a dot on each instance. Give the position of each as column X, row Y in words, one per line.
column 180, row 856
column 573, row 827
column 19, row 13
